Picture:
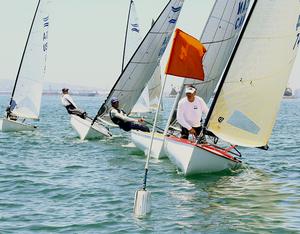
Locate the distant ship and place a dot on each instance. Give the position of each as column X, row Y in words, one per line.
column 288, row 92
column 173, row 92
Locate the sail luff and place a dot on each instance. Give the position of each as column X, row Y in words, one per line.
column 23, row 54
column 126, row 34
column 222, row 80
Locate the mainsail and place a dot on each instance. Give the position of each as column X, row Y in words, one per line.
column 219, row 37
column 28, row 85
column 154, row 87
column 146, row 58
column 248, row 99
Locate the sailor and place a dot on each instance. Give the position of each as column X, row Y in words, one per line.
column 9, row 110
column 189, row 113
column 70, row 105
column 120, row 118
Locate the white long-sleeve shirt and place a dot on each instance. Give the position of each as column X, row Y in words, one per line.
column 114, row 113
column 66, row 100
column 189, row 114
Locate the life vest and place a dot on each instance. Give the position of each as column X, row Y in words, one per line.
column 122, row 124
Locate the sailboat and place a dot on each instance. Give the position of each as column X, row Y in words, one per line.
column 26, row 95
column 243, row 112
column 138, row 70
column 219, row 36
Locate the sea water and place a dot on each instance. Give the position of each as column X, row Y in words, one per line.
column 52, row 182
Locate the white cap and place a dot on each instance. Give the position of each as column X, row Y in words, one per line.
column 190, row 90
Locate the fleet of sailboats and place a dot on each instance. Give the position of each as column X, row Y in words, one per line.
column 240, row 37
column 25, row 101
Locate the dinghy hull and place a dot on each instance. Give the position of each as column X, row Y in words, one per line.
column 86, row 131
column 192, row 158
column 142, row 141
column 7, row 125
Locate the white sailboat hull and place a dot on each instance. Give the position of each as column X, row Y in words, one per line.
column 7, row 125
column 193, row 158
column 142, row 141
column 86, row 131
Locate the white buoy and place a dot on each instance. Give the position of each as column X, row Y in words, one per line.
column 142, row 202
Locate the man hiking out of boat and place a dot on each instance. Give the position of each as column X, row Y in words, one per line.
column 70, row 105
column 120, row 118
column 189, row 113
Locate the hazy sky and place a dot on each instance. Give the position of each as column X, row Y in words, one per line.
column 86, row 36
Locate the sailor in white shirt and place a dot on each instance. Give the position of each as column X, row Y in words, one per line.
column 70, row 105
column 189, row 113
column 120, row 118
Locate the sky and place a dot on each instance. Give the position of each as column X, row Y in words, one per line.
column 86, row 37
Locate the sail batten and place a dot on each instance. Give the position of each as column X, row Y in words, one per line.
column 246, row 108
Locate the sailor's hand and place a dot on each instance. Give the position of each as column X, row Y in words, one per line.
column 192, row 131
column 141, row 120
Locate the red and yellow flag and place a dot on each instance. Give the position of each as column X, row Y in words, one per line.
column 186, row 57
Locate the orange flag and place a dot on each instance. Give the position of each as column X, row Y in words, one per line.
column 186, row 55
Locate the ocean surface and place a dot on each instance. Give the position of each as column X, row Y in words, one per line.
column 52, row 182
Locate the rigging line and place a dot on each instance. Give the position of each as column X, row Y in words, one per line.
column 228, row 65
column 24, row 51
column 225, row 21
column 220, row 41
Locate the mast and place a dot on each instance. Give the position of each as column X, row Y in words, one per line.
column 125, row 41
column 17, row 77
column 228, row 66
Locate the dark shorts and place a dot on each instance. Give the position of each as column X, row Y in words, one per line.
column 130, row 125
column 185, row 132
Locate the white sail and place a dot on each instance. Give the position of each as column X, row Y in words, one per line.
column 133, row 40
column 149, row 98
column 146, row 58
column 28, row 90
column 248, row 102
column 154, row 87
column 219, row 37
column 133, row 34
column 142, row 104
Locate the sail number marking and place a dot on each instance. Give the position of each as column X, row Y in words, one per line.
column 45, row 34
column 242, row 9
